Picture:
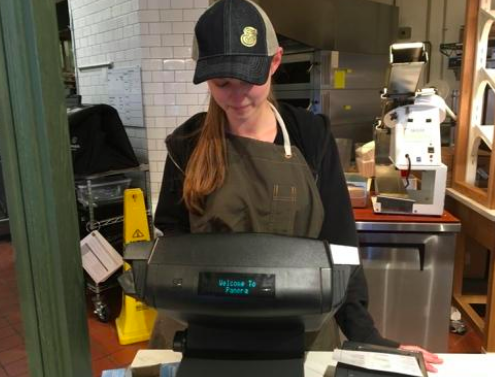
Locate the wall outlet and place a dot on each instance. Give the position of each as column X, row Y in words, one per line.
column 405, row 32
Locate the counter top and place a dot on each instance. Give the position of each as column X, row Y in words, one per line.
column 367, row 220
column 367, row 214
column 321, row 364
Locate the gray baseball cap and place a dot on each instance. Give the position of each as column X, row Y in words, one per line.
column 234, row 39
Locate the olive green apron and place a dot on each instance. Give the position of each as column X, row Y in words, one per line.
column 268, row 189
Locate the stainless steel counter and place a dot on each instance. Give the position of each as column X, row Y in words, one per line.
column 409, row 267
column 363, row 226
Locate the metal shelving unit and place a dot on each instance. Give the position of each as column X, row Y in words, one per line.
column 88, row 211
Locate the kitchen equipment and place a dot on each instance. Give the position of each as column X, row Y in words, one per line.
column 343, row 86
column 414, row 118
column 247, row 299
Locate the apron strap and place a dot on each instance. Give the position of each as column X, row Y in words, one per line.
column 285, row 134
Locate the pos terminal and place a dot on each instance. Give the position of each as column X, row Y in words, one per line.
column 247, row 299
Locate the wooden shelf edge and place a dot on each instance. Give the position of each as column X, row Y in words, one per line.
column 461, row 302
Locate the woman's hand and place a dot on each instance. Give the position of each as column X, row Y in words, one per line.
column 430, row 358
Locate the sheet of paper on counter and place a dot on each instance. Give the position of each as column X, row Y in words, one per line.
column 344, row 254
column 385, row 362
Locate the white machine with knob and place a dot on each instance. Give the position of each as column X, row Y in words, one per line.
column 413, row 118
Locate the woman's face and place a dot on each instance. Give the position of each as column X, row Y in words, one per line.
column 239, row 99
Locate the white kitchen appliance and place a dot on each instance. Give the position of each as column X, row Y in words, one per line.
column 413, row 117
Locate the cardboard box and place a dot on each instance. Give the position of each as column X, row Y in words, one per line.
column 147, row 363
column 99, row 259
column 365, row 167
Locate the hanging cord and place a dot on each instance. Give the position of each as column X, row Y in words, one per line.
column 408, row 170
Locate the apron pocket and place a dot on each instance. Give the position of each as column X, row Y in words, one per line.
column 222, row 223
column 283, row 209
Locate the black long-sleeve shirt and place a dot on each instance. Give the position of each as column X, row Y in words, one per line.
column 312, row 136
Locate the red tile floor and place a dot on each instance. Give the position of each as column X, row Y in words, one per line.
column 106, row 352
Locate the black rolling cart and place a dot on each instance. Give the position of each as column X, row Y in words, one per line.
column 100, row 200
column 104, row 165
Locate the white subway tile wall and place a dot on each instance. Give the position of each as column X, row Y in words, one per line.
column 157, row 35
column 107, row 31
column 171, row 66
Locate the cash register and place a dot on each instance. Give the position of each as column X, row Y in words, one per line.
column 246, row 299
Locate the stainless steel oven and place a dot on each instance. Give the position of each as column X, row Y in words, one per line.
column 306, row 98
column 344, row 86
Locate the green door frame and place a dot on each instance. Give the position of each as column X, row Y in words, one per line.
column 34, row 141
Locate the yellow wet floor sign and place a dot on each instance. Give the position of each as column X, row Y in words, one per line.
column 136, row 319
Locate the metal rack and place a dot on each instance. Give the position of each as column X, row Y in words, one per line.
column 101, row 309
column 94, row 224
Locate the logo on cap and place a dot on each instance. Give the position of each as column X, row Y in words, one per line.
column 249, row 38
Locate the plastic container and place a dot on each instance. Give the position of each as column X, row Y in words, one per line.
column 358, row 187
column 358, row 195
column 365, row 167
column 103, row 191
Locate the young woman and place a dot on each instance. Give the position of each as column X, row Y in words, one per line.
column 248, row 165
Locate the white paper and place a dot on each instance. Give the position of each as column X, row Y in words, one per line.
column 344, row 254
column 125, row 94
column 385, row 362
column 99, row 259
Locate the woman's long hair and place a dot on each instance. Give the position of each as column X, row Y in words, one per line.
column 206, row 169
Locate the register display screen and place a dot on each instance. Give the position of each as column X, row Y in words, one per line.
column 236, row 285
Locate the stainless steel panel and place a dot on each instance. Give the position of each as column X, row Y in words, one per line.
column 365, row 26
column 307, row 99
column 408, row 227
column 353, row 106
column 321, row 102
column 363, row 71
column 358, row 132
column 410, row 285
column 356, row 105
column 403, row 78
column 407, row 61
column 335, row 24
column 284, row 80
column 360, row 71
